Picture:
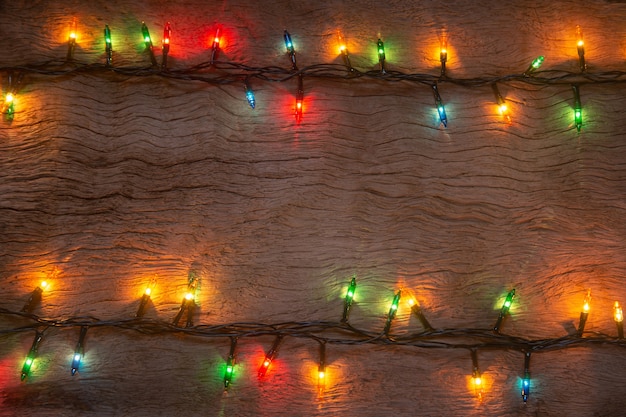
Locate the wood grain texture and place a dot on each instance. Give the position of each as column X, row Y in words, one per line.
column 114, row 179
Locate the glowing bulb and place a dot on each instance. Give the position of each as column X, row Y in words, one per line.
column 504, row 310
column 443, row 55
column 73, row 25
column 586, row 302
column 230, row 363
column 392, row 312
column 108, row 46
column 249, row 94
column 349, row 299
column 32, row 354
column 79, row 351
column 584, row 314
column 578, row 108
column 148, row 42
column 617, row 313
column 502, row 106
column 580, row 45
column 380, row 46
column 9, row 98
column 290, row 49
column 189, row 296
column 441, row 110
column 343, row 50
column 216, row 44
column 270, row 356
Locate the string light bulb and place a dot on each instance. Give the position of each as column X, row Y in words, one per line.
column 477, row 380
column 188, row 303
column 580, row 45
column 167, row 38
column 618, row 316
column 148, row 42
column 526, row 379
column 249, row 94
column 71, row 43
column 35, row 297
column 502, row 106
column 417, row 311
column 534, row 65
column 584, row 313
column 441, row 110
column 443, row 55
column 393, row 310
column 504, row 310
column 321, row 369
column 347, row 303
column 578, row 108
column 343, row 50
column 380, row 48
column 79, row 352
column 299, row 99
column 270, row 356
column 108, row 46
column 290, row 49
column 216, row 44
column 230, row 363
column 145, row 298
column 32, row 354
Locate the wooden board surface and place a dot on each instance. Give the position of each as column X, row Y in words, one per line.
column 114, row 179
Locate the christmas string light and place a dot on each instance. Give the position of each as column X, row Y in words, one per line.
column 534, row 65
column 167, row 36
column 443, row 56
column 270, row 356
column 145, row 298
column 343, row 50
column 35, row 297
column 299, row 98
column 380, row 47
column 8, row 105
column 71, row 43
column 417, row 311
column 441, row 110
column 584, row 314
column 216, row 45
column 504, row 310
column 526, row 379
column 477, row 380
column 580, row 45
column 79, row 352
column 393, row 310
column 32, row 354
column 188, row 303
column 230, row 363
column 321, row 369
column 578, row 108
column 502, row 106
column 108, row 46
column 290, row 50
column 618, row 316
column 148, row 42
column 348, row 300
column 249, row 94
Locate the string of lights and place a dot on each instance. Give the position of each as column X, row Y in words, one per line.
column 323, row 332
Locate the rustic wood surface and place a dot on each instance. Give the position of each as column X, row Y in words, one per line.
column 114, row 179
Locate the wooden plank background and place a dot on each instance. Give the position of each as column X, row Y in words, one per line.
column 114, row 179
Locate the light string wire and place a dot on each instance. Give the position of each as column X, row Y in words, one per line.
column 335, row 333
column 233, row 72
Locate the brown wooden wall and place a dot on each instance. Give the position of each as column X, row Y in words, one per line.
column 113, row 179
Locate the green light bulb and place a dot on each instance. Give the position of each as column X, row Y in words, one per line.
column 349, row 299
column 537, row 62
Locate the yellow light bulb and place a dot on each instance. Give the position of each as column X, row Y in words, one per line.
column 9, row 98
column 43, row 285
column 503, row 109
column 189, row 296
column 148, row 291
column 321, row 375
column 579, row 36
column 587, row 302
column 478, row 382
column 73, row 30
column 617, row 313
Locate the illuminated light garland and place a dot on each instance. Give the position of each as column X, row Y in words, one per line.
column 526, row 379
column 230, row 363
column 584, row 314
column 580, row 45
column 347, row 303
column 35, row 297
column 290, row 49
column 393, row 310
column 249, row 94
column 167, row 38
column 148, row 42
column 343, row 50
column 417, row 311
column 79, row 352
column 504, row 310
column 71, row 42
column 578, row 108
column 502, row 106
column 32, row 354
column 380, row 48
column 618, row 316
column 108, row 45
column 441, row 110
column 270, row 356
column 145, row 298
column 443, row 56
column 477, row 380
column 534, row 65
column 321, row 369
column 215, row 47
